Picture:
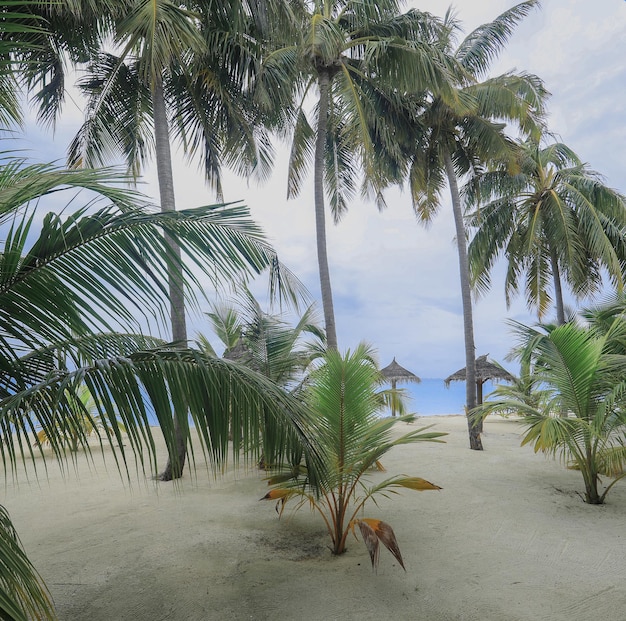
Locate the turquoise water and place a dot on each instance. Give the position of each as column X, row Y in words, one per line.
column 432, row 398
column 428, row 398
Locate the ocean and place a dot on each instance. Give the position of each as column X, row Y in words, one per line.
column 432, row 398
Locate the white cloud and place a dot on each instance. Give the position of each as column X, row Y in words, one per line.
column 396, row 283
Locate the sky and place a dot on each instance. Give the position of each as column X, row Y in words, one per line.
column 396, row 283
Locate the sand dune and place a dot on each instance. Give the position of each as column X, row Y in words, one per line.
column 506, row 539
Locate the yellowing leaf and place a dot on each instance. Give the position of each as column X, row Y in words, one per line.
column 281, row 496
column 416, row 483
column 277, row 494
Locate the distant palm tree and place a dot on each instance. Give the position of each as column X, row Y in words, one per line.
column 269, row 345
column 345, row 48
column 554, row 219
column 451, row 139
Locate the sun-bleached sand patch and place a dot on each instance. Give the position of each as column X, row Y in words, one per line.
column 506, row 539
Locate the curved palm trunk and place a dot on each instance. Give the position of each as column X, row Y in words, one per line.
column 176, row 458
column 475, row 429
column 320, row 216
column 558, row 289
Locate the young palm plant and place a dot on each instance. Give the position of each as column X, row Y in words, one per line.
column 343, row 405
column 583, row 378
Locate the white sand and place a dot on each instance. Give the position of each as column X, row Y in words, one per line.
column 507, row 539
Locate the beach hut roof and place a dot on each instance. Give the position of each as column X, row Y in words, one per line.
column 238, row 353
column 395, row 373
column 485, row 370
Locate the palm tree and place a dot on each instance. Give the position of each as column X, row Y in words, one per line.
column 343, row 402
column 554, row 219
column 267, row 343
column 345, row 48
column 449, row 141
column 183, row 63
column 584, row 378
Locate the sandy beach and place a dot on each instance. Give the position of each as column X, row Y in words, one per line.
column 506, row 539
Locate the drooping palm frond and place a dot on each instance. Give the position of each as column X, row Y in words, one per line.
column 149, row 387
column 23, row 596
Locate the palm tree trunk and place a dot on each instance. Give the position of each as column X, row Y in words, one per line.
column 178, row 454
column 320, row 216
column 558, row 289
column 475, row 429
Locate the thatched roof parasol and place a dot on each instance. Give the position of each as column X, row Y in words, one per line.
column 395, row 373
column 237, row 353
column 485, row 370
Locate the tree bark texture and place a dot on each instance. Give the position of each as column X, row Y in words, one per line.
column 474, row 429
column 558, row 289
column 177, row 457
column 320, row 215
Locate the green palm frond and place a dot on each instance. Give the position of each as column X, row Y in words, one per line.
column 21, row 183
column 87, row 254
column 477, row 51
column 579, row 414
column 23, row 595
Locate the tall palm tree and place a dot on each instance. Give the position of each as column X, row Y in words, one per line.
column 553, row 220
column 182, row 70
column 344, row 47
column 451, row 140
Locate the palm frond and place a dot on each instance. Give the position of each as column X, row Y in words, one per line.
column 482, row 46
column 23, row 595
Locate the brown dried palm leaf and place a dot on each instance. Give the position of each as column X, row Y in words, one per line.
column 374, row 531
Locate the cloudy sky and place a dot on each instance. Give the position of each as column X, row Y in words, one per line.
column 396, row 284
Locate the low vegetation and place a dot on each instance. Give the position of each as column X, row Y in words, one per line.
column 581, row 416
column 343, row 407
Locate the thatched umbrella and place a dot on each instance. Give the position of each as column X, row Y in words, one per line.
column 395, row 373
column 485, row 370
column 238, row 353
